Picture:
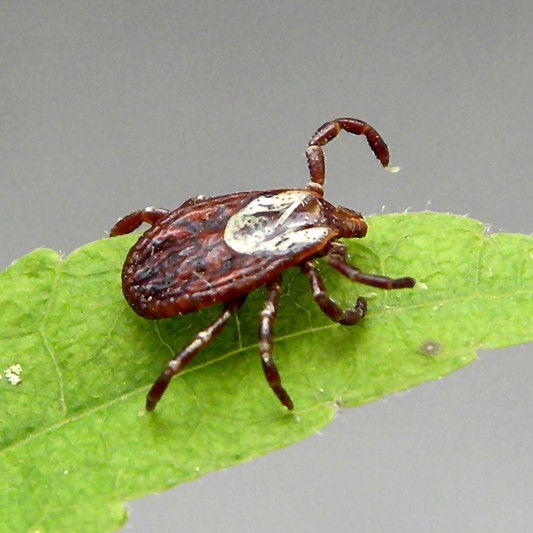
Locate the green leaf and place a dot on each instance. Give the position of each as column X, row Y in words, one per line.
column 76, row 442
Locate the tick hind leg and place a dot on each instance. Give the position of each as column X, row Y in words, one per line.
column 266, row 345
column 336, row 257
column 347, row 317
column 131, row 222
column 202, row 339
column 327, row 132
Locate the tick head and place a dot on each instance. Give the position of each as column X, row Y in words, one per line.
column 349, row 224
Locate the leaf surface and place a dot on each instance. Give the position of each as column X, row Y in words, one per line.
column 75, row 441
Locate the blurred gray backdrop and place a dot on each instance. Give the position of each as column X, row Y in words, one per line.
column 106, row 107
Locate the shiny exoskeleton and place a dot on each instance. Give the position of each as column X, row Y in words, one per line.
column 217, row 250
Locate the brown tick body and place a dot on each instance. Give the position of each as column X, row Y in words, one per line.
column 217, row 250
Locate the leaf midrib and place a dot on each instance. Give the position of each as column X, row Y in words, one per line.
column 312, row 329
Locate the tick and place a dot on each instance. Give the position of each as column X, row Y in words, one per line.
column 217, row 250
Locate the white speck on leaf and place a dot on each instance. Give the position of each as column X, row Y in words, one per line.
column 12, row 374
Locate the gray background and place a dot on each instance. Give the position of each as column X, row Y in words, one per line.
column 110, row 106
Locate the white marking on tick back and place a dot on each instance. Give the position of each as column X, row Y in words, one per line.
column 289, row 211
column 257, row 229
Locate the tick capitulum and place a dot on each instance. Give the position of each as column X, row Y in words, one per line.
column 217, row 250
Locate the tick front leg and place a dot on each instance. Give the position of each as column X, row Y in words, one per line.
column 328, row 132
column 349, row 317
column 202, row 339
column 131, row 222
column 336, row 258
column 266, row 345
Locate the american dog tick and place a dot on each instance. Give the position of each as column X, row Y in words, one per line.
column 217, row 250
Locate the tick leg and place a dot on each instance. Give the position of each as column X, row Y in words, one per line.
column 131, row 222
column 349, row 317
column 266, row 346
column 336, row 258
column 202, row 339
column 327, row 132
